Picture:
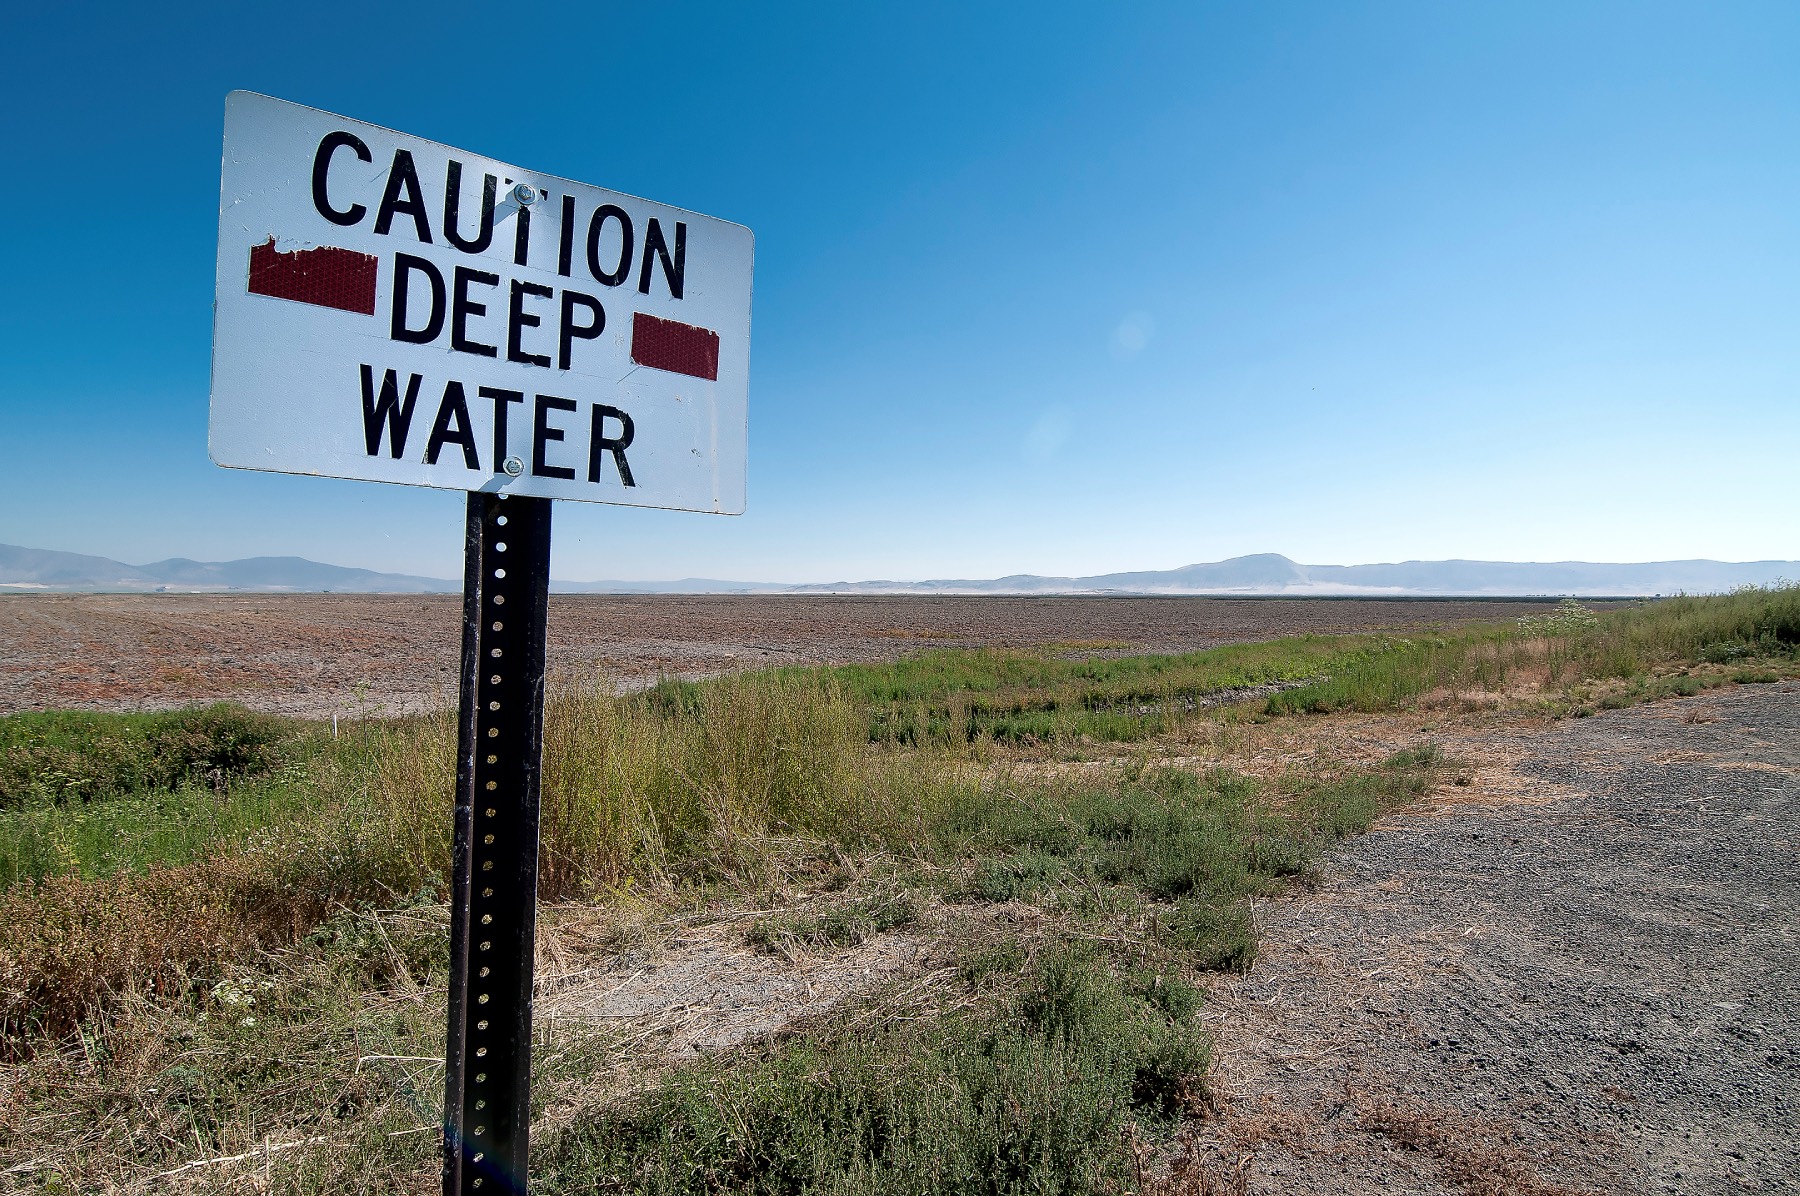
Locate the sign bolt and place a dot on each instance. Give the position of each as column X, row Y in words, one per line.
column 513, row 467
column 526, row 194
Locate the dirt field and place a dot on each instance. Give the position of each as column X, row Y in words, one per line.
column 323, row 654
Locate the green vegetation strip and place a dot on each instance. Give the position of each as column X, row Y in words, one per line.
column 957, row 696
column 71, row 755
column 1574, row 649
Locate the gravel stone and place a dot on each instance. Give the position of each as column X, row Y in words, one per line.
column 1594, row 988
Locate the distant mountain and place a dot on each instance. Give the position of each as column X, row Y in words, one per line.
column 687, row 585
column 27, row 569
column 41, row 569
column 1272, row 574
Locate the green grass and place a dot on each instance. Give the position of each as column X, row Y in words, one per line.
column 40, row 839
column 954, row 696
column 1033, row 1096
column 88, row 794
column 1182, row 851
column 75, row 756
column 1571, row 648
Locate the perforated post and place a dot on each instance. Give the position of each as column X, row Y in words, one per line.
column 493, row 901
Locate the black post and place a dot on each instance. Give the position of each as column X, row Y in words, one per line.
column 493, row 898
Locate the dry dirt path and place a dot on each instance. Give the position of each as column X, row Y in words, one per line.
column 1591, row 984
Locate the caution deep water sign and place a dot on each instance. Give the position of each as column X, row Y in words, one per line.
column 395, row 310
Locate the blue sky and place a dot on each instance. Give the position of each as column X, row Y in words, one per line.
column 1040, row 288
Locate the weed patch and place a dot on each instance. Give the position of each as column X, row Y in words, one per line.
column 69, row 946
column 952, row 697
column 1034, row 1096
column 1195, row 848
column 1570, row 648
column 75, row 756
column 847, row 925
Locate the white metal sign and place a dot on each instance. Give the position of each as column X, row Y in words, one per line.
column 395, row 310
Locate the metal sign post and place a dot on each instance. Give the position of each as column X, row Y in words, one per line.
column 395, row 310
column 493, row 895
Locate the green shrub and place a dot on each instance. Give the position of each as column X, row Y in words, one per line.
column 1197, row 847
column 1015, row 877
column 1176, row 997
column 952, row 696
column 842, row 926
column 1212, row 935
column 1033, row 1097
column 1726, row 651
column 70, row 755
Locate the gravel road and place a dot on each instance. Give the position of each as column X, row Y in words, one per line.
column 1589, row 985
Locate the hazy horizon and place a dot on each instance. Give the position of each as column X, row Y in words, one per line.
column 25, row 569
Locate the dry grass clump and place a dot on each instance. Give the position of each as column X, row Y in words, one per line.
column 316, row 1069
column 1473, row 1156
column 709, row 783
column 643, row 786
column 68, row 946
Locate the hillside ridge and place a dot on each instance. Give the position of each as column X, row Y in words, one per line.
column 46, row 570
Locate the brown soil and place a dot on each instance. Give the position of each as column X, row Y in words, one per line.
column 324, row 654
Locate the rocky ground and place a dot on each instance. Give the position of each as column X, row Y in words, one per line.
column 324, row 654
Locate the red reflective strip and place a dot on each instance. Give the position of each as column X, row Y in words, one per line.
column 679, row 348
column 326, row 276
